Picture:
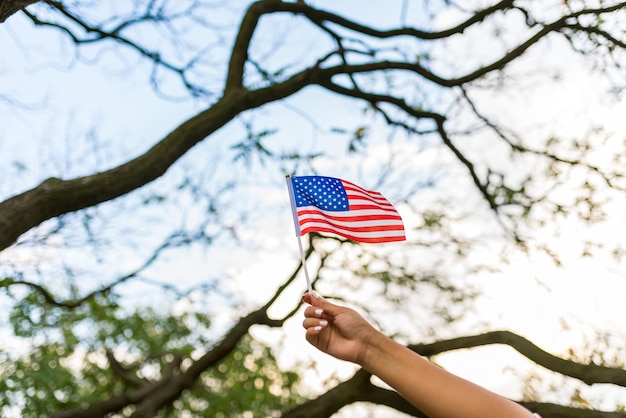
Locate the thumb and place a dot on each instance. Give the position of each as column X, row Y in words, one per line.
column 318, row 301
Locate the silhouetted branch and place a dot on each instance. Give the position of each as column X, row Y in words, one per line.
column 360, row 389
column 588, row 373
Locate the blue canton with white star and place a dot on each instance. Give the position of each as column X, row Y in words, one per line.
column 326, row 193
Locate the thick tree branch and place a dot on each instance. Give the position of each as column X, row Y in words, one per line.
column 10, row 7
column 54, row 197
column 122, row 372
column 239, row 54
column 588, row 373
column 115, row 403
column 345, row 393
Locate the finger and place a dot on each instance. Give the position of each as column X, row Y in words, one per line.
column 313, row 332
column 316, row 329
column 307, row 298
column 314, row 323
column 313, row 312
column 329, row 308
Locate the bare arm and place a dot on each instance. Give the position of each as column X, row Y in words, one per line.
column 343, row 333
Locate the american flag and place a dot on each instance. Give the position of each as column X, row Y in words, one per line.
column 328, row 204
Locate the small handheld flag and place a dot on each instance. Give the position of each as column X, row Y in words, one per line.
column 328, row 204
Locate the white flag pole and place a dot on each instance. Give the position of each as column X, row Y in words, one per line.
column 296, row 225
column 306, row 272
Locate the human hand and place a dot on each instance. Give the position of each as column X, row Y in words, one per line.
column 344, row 334
column 337, row 330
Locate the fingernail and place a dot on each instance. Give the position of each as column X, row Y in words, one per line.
column 318, row 328
column 323, row 322
column 319, row 311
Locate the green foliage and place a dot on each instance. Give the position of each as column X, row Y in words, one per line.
column 67, row 364
column 248, row 382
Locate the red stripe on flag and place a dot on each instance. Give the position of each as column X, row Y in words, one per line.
column 370, row 240
column 355, row 228
column 352, row 217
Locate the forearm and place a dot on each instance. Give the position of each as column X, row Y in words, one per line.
column 430, row 388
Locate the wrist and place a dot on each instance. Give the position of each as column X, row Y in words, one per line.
column 372, row 350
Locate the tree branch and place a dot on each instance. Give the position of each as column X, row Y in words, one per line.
column 74, row 303
column 99, row 34
column 320, row 16
column 360, row 389
column 122, row 372
column 150, row 397
column 550, row 410
column 54, row 197
column 588, row 373
column 523, row 149
column 10, row 7
column 345, row 393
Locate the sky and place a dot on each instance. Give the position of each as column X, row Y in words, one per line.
column 554, row 306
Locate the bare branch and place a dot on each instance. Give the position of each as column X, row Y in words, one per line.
column 588, row 373
column 74, row 303
column 98, row 34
